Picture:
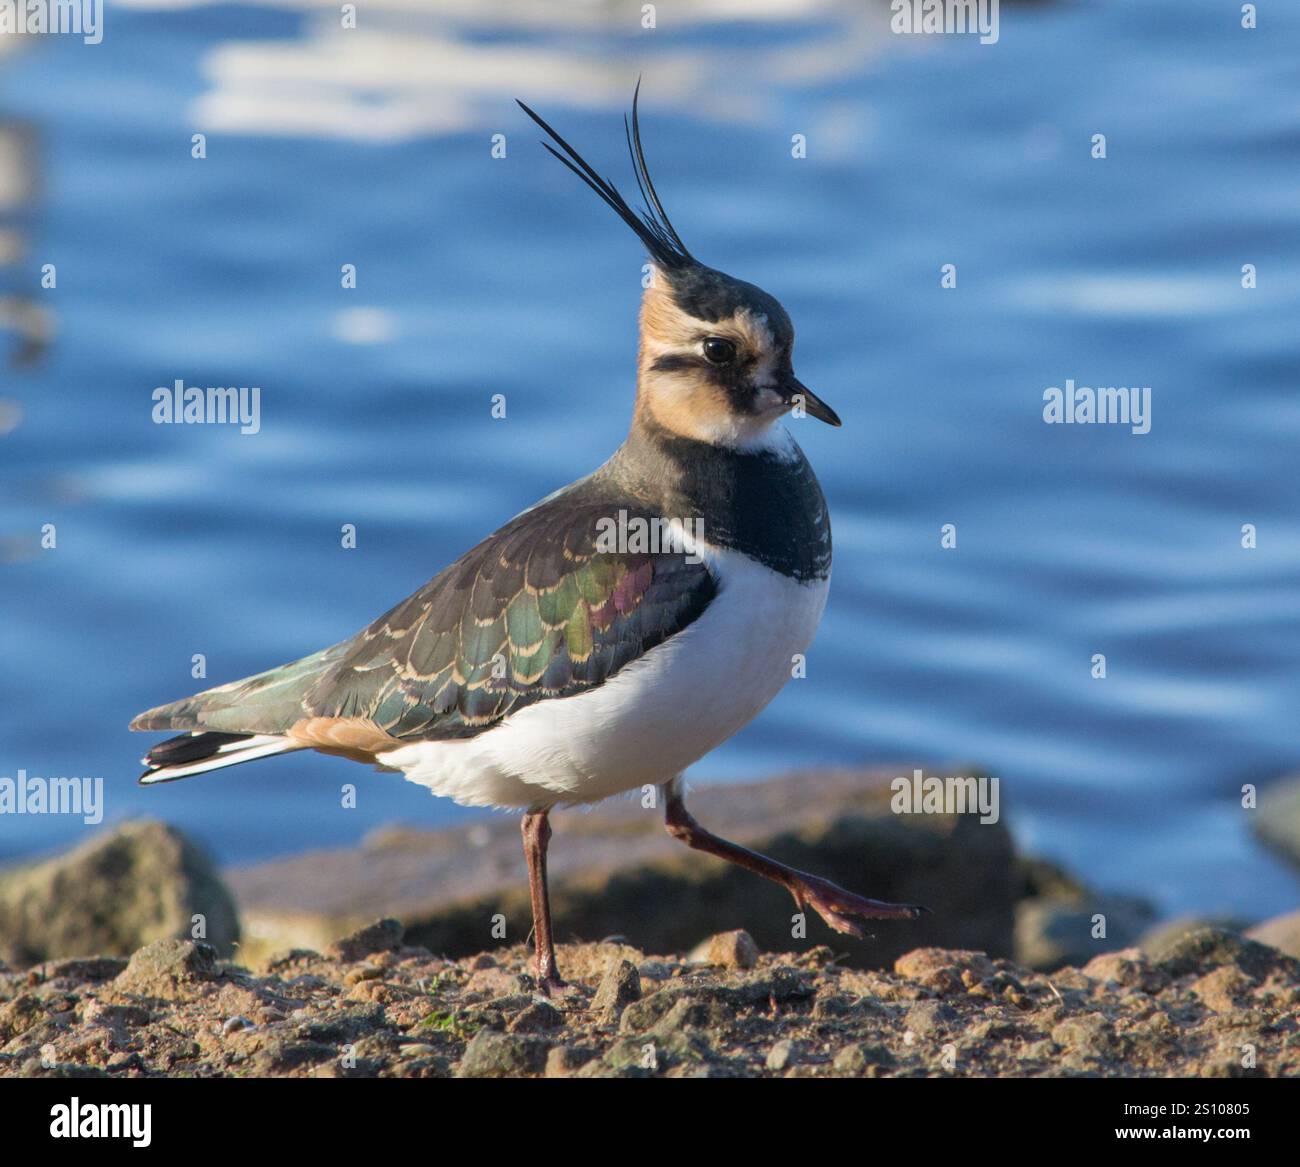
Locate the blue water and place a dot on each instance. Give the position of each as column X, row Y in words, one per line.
column 480, row 276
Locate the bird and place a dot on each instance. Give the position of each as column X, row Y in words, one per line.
column 610, row 635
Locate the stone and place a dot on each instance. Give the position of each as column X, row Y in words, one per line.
column 124, row 888
column 619, row 987
column 1160, row 936
column 1276, row 820
column 946, row 972
column 832, row 1006
column 1052, row 933
column 781, row 1056
column 493, row 981
column 37, row 1069
column 1281, row 932
column 1223, row 989
column 563, row 1060
column 1207, row 949
column 929, row 1018
column 735, row 949
column 381, row 936
column 124, row 1016
column 539, row 1017
column 95, row 968
column 692, row 1014
column 24, row 1012
column 660, row 1050
column 1090, row 1034
column 283, row 1055
column 502, row 1055
column 856, row 1059
column 1128, row 967
column 170, row 970
column 784, row 985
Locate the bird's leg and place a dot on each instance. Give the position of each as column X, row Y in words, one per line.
column 828, row 900
column 536, row 829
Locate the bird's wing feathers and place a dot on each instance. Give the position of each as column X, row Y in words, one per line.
column 265, row 703
column 536, row 611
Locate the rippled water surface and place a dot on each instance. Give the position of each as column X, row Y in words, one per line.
column 480, row 275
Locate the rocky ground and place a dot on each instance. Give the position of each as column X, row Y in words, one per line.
column 1020, row 969
column 614, row 871
column 1209, row 1004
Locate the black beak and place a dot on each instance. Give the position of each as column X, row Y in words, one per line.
column 801, row 398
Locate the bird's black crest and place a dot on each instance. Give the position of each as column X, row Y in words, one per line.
column 651, row 222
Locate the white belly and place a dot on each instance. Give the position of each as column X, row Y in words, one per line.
column 659, row 714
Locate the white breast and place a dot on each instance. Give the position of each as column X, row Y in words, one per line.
column 659, row 714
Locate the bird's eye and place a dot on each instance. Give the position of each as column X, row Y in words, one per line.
column 719, row 351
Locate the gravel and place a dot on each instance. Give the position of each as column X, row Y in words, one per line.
column 1211, row 1004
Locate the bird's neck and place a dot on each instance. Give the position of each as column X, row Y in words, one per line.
column 767, row 504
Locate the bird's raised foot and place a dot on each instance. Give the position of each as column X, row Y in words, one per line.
column 837, row 906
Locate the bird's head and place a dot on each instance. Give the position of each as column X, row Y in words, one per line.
column 715, row 356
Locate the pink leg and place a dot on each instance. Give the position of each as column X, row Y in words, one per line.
column 828, row 900
column 536, row 829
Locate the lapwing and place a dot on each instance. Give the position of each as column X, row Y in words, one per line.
column 612, row 634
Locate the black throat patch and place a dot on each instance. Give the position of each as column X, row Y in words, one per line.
column 768, row 507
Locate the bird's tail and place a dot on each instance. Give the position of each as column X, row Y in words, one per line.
column 200, row 751
column 232, row 723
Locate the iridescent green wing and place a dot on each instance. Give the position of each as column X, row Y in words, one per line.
column 540, row 610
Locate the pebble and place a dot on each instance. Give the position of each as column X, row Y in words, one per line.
column 927, row 1018
column 781, row 1056
column 538, row 1017
column 727, row 950
column 500, row 1055
column 619, row 987
column 856, row 1059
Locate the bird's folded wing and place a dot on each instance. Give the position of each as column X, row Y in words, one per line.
column 539, row 610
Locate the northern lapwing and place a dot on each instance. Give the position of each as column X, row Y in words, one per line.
column 609, row 636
